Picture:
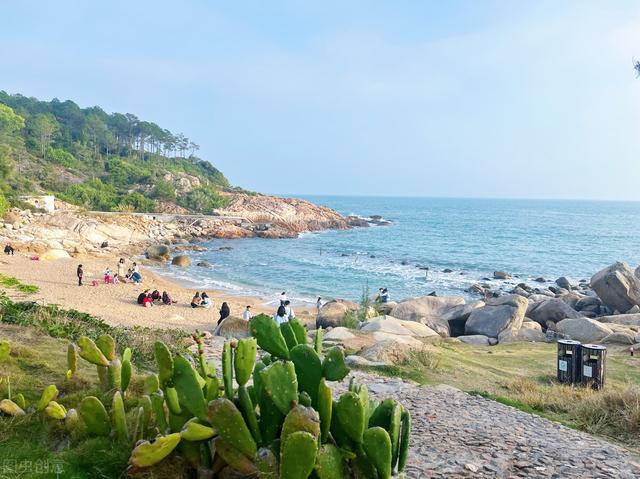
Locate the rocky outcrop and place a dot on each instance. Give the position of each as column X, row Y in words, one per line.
column 617, row 286
column 332, row 313
column 428, row 310
column 498, row 315
column 623, row 319
column 233, row 328
column 530, row 331
column 585, row 330
column 391, row 325
column 475, row 340
column 158, row 252
column 553, row 310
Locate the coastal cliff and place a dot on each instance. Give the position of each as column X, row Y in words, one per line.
column 74, row 231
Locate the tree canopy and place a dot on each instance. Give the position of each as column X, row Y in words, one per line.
column 99, row 160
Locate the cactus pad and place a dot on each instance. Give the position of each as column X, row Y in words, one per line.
column 90, row 352
column 230, row 425
column 244, row 359
column 147, row 454
column 268, row 335
column 298, row 455
column 333, row 366
column 95, row 417
column 281, row 384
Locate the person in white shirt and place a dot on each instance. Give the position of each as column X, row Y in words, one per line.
column 281, row 315
column 283, row 298
column 247, row 314
column 289, row 311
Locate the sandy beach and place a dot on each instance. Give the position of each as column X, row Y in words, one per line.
column 116, row 303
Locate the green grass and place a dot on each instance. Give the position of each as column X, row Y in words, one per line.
column 12, row 282
column 71, row 324
column 522, row 375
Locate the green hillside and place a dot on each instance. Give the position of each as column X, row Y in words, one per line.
column 100, row 161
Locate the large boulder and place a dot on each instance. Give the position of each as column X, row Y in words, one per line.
column 565, row 283
column 428, row 310
column 618, row 337
column 553, row 310
column 389, row 324
column 181, row 260
column 530, row 332
column 457, row 316
column 625, row 319
column 498, row 315
column 233, row 328
column 332, row 314
column 585, row 330
column 389, row 351
column 617, row 286
column 339, row 334
column 55, row 254
column 158, row 252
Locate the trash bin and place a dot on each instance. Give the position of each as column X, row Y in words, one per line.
column 569, row 361
column 593, row 365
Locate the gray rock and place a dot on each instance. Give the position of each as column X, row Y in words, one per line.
column 591, row 303
column 618, row 337
column 475, row 339
column 498, row 315
column 204, row 264
column 617, row 286
column 565, row 283
column 625, row 319
column 158, row 252
column 339, row 334
column 530, row 332
column 554, row 309
column 181, row 260
column 354, row 361
column 332, row 313
column 501, row 275
column 585, row 330
column 428, row 310
column 634, row 310
column 572, row 299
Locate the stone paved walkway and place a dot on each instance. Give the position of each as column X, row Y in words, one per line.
column 456, row 435
column 459, row 435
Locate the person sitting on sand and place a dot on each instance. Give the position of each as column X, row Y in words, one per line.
column 136, row 277
column 8, row 249
column 289, row 311
column 206, row 301
column 224, row 312
column 147, row 302
column 115, row 279
column 107, row 276
column 156, row 295
column 247, row 314
column 196, row 300
column 281, row 315
column 142, row 295
column 166, row 299
column 79, row 273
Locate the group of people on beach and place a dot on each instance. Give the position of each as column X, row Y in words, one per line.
column 130, row 275
column 148, row 299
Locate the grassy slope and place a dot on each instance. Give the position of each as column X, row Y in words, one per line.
column 35, row 362
column 523, row 375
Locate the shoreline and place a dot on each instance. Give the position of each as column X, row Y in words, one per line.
column 116, row 303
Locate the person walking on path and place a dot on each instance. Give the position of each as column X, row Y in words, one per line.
column 79, row 273
column 247, row 314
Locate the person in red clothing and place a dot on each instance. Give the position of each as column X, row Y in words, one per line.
column 147, row 302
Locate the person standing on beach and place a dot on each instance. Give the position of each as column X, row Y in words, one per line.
column 122, row 272
column 281, row 315
column 134, row 268
column 283, row 298
column 224, row 312
column 289, row 311
column 318, row 305
column 247, row 314
column 79, row 273
column 384, row 296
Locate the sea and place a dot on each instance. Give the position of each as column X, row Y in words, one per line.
column 470, row 237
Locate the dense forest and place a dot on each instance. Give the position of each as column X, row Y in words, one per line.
column 100, row 161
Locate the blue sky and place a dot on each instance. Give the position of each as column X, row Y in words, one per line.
column 460, row 98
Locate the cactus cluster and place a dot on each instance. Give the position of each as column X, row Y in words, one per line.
column 268, row 416
column 273, row 417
